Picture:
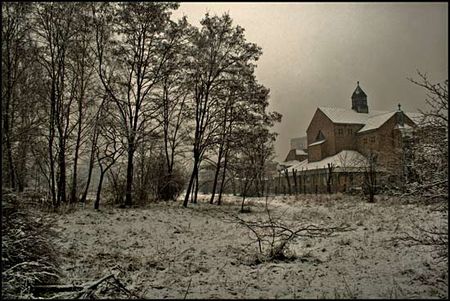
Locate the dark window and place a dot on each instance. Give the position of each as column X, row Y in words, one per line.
column 365, row 140
column 340, row 131
column 372, row 139
column 320, row 136
column 349, row 131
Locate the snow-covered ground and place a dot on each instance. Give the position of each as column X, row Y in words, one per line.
column 167, row 251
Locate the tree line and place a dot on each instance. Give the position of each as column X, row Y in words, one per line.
column 123, row 89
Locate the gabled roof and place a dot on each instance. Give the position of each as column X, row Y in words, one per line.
column 342, row 161
column 338, row 115
column 372, row 120
column 375, row 122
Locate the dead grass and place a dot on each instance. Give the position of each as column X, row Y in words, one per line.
column 167, row 251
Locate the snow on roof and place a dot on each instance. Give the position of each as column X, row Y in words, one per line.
column 317, row 142
column 376, row 121
column 300, row 152
column 345, row 159
column 339, row 115
column 283, row 165
column 372, row 120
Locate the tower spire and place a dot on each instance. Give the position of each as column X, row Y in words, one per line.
column 359, row 100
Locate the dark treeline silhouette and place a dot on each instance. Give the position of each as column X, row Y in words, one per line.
column 122, row 91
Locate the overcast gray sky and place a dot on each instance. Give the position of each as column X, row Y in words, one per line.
column 313, row 53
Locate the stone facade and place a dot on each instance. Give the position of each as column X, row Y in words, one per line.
column 320, row 128
column 333, row 130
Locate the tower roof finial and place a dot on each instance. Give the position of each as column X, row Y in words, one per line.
column 357, row 82
column 399, row 107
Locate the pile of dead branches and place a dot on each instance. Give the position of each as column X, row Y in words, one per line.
column 433, row 237
column 273, row 236
column 106, row 287
column 28, row 257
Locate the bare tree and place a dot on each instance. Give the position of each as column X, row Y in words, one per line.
column 174, row 116
column 54, row 32
column 429, row 151
column 108, row 147
column 218, row 49
column 22, row 115
column 132, row 50
column 83, row 69
column 429, row 164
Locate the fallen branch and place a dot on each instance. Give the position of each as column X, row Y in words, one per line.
column 83, row 291
column 93, row 286
column 56, row 288
column 187, row 290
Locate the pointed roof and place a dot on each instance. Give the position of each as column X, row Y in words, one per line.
column 339, row 115
column 371, row 120
column 358, row 91
column 374, row 122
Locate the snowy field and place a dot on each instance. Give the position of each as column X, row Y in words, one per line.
column 167, row 251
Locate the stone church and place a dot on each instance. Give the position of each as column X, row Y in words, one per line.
column 345, row 138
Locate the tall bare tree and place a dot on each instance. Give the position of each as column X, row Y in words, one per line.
column 21, row 113
column 218, row 50
column 132, row 50
column 173, row 96
column 54, row 31
column 82, row 65
column 108, row 148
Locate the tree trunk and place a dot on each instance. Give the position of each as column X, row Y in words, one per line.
column 62, row 172
column 191, row 182
column 21, row 166
column 99, row 189
column 91, row 166
column 244, row 192
column 6, row 120
column 129, row 186
column 216, row 174
column 73, row 191
column 52, row 161
column 222, row 184
column 196, row 187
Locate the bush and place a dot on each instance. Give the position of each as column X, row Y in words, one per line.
column 115, row 186
column 169, row 186
column 27, row 256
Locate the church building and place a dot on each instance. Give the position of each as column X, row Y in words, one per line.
column 345, row 138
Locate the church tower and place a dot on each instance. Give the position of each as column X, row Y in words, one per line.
column 359, row 100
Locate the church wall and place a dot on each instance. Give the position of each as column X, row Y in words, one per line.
column 384, row 141
column 345, row 136
column 320, row 122
column 315, row 152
